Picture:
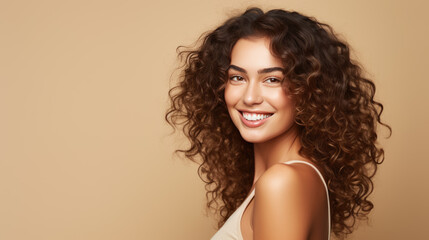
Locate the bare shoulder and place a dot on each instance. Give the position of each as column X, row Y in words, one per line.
column 289, row 200
column 289, row 177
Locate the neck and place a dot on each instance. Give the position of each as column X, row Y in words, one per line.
column 280, row 149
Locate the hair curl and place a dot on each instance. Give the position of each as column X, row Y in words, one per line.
column 335, row 111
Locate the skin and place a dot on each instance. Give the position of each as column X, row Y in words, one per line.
column 290, row 200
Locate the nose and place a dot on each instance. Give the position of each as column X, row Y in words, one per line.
column 253, row 94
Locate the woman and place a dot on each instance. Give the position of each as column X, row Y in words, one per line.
column 283, row 124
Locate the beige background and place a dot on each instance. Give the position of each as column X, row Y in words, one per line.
column 85, row 152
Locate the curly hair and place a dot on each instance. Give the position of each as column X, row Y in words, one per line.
column 336, row 112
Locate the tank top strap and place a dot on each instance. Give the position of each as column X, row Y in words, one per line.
column 324, row 184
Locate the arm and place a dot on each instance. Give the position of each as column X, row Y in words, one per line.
column 287, row 201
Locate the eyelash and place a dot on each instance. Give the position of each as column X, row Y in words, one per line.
column 236, row 78
column 272, row 80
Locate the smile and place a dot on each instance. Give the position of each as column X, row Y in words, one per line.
column 253, row 120
column 255, row 116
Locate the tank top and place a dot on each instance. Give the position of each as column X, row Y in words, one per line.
column 231, row 229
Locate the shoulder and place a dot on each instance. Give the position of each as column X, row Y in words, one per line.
column 289, row 177
column 288, row 200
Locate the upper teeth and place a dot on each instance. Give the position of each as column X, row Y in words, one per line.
column 255, row 116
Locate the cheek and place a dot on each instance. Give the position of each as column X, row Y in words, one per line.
column 230, row 96
column 282, row 101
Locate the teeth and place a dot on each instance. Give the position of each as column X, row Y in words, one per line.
column 255, row 116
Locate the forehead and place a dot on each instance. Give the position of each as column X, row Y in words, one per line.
column 253, row 54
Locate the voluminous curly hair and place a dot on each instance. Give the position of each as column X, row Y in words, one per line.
column 336, row 112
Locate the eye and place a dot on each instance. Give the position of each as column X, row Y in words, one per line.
column 272, row 80
column 236, row 78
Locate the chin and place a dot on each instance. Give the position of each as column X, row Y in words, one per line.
column 254, row 138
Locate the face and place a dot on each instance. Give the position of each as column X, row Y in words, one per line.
column 255, row 96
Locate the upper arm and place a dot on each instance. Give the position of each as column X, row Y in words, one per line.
column 285, row 203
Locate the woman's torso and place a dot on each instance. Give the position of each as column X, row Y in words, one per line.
column 238, row 224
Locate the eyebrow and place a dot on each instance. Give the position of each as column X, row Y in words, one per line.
column 264, row 70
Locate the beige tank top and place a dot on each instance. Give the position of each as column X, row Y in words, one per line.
column 231, row 230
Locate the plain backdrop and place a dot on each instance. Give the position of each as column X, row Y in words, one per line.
column 85, row 152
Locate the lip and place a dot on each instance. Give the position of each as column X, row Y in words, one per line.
column 256, row 123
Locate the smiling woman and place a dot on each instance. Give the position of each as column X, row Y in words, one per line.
column 255, row 96
column 283, row 125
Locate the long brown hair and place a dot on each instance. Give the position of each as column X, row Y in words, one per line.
column 335, row 111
